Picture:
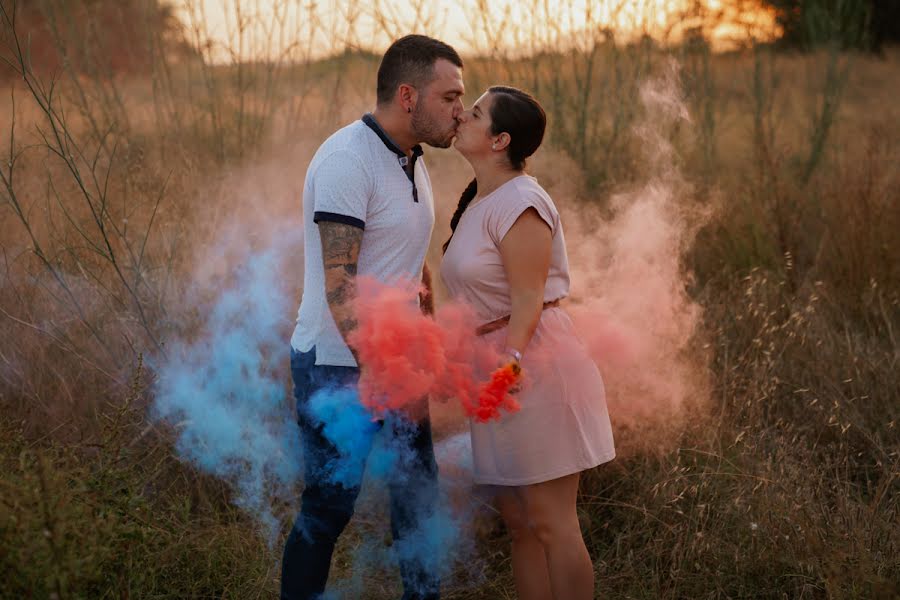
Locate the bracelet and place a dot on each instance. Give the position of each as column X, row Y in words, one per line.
column 515, row 354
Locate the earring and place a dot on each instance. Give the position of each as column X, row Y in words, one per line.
column 409, row 109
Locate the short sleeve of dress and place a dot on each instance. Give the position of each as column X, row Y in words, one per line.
column 507, row 210
column 342, row 188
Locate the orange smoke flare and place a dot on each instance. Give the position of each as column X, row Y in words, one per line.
column 495, row 394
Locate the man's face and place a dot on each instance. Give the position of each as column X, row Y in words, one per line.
column 439, row 104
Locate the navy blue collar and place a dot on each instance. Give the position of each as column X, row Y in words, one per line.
column 408, row 164
column 369, row 120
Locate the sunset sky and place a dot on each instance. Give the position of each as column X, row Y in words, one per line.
column 253, row 29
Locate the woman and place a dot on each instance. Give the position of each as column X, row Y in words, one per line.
column 506, row 257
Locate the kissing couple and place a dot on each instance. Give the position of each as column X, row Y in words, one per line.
column 368, row 210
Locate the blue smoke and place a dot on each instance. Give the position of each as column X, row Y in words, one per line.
column 224, row 390
column 379, row 455
column 349, row 426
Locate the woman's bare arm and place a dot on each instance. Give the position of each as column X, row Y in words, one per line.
column 526, row 251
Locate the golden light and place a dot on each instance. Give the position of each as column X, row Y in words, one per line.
column 232, row 30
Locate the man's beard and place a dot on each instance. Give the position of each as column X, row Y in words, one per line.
column 427, row 132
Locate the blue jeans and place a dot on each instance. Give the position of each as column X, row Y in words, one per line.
column 327, row 506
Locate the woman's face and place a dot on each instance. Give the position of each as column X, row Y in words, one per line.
column 473, row 134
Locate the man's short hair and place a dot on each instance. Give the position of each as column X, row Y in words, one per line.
column 411, row 60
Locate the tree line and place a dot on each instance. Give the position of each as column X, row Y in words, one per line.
column 857, row 24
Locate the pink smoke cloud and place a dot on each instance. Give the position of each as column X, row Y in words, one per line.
column 629, row 296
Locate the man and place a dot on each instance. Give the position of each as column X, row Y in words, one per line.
column 368, row 210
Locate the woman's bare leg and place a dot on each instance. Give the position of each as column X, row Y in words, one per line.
column 550, row 511
column 529, row 562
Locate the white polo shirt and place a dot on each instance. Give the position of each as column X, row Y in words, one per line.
column 356, row 177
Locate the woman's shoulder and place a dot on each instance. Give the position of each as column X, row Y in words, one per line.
column 519, row 195
column 528, row 191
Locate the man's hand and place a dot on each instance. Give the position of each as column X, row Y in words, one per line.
column 340, row 255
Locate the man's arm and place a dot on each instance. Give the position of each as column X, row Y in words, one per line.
column 340, row 254
column 426, row 296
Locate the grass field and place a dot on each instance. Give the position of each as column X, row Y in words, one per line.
column 129, row 200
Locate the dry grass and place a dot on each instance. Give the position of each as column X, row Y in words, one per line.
column 788, row 489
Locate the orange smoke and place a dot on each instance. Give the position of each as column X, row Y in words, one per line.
column 408, row 357
column 495, row 394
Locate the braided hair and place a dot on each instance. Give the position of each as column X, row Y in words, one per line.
column 464, row 200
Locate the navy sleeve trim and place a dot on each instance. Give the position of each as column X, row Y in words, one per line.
column 320, row 216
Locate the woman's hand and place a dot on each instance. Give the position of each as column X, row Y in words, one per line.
column 512, row 364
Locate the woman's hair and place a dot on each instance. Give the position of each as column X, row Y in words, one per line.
column 522, row 117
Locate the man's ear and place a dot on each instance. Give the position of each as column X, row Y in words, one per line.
column 408, row 96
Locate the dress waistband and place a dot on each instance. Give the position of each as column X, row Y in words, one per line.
column 503, row 321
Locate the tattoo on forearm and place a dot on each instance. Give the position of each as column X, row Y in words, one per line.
column 350, row 268
column 348, row 324
column 340, row 253
column 426, row 295
column 339, row 295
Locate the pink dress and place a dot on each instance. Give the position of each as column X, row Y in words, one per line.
column 563, row 426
